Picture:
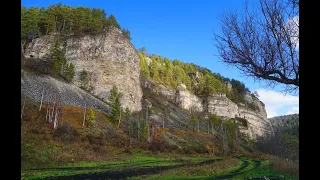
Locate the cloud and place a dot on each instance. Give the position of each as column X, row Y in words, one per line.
column 292, row 27
column 276, row 102
column 293, row 110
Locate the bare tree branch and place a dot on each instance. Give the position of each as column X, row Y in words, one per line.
column 262, row 44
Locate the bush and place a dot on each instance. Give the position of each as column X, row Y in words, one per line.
column 65, row 133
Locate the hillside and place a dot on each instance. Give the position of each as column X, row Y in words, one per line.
column 291, row 120
column 92, row 103
column 285, row 141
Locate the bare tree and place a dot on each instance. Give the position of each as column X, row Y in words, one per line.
column 47, row 113
column 57, row 112
column 84, row 114
column 263, row 42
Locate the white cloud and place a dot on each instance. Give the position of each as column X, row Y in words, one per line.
column 293, row 28
column 293, row 110
column 275, row 102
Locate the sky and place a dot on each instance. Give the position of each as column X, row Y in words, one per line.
column 183, row 30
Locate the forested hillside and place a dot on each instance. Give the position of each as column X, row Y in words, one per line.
column 285, row 142
column 66, row 20
column 198, row 80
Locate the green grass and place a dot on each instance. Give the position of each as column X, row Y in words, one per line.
column 220, row 169
column 137, row 161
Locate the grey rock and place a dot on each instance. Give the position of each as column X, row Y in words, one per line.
column 109, row 58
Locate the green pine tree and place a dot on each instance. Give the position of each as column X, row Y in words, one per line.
column 114, row 100
column 91, row 117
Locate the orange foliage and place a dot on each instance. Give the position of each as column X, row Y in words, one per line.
column 181, row 132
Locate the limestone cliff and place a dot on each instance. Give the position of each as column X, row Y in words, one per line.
column 218, row 104
column 108, row 57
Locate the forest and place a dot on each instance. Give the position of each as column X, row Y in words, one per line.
column 65, row 20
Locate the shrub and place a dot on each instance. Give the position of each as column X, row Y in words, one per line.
column 65, row 133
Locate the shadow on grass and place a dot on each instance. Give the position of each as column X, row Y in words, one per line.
column 127, row 172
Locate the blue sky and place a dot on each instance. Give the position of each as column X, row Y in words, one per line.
column 178, row 30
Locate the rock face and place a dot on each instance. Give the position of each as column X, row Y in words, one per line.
column 109, row 58
column 187, row 100
column 218, row 104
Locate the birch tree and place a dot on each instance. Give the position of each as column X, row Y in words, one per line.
column 84, row 114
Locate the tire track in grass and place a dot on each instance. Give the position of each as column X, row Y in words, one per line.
column 127, row 172
column 239, row 171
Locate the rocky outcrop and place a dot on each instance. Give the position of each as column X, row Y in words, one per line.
column 109, row 58
column 218, row 104
column 187, row 100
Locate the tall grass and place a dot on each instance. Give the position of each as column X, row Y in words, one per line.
column 284, row 166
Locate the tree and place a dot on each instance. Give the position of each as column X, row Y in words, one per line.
column 114, row 100
column 84, row 79
column 111, row 21
column 69, row 72
column 60, row 64
column 139, row 128
column 144, row 68
column 126, row 33
column 194, row 122
column 143, row 50
column 29, row 23
column 91, row 117
column 263, row 44
column 214, row 121
column 154, row 69
column 59, row 61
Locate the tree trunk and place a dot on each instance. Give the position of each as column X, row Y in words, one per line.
column 55, row 123
column 24, row 102
column 51, row 116
column 47, row 112
column 41, row 98
column 84, row 114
